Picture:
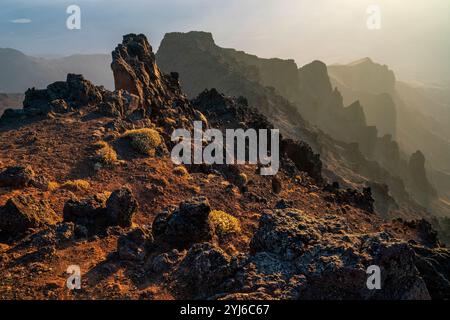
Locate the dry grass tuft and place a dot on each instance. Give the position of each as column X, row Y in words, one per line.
column 180, row 171
column 224, row 223
column 144, row 140
column 76, row 185
column 105, row 154
column 52, row 185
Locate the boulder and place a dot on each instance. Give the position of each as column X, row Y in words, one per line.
column 203, row 271
column 167, row 261
column 121, row 207
column 74, row 93
column 185, row 226
column 24, row 212
column 98, row 212
column 89, row 212
column 16, row 177
column 303, row 157
column 133, row 246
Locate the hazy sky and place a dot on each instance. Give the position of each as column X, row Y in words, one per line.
column 414, row 38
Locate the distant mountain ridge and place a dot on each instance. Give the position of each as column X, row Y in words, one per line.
column 303, row 104
column 20, row 72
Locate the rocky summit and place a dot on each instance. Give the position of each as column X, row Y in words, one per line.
column 87, row 180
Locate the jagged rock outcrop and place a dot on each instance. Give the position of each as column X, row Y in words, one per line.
column 203, row 271
column 59, row 97
column 419, row 182
column 99, row 211
column 133, row 246
column 186, row 225
column 76, row 91
column 362, row 200
column 120, row 207
column 135, row 71
column 22, row 213
column 433, row 265
column 313, row 248
column 16, row 177
column 303, row 157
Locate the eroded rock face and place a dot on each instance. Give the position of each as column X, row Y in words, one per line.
column 135, row 71
column 22, row 213
column 133, row 245
column 16, row 177
column 360, row 199
column 76, row 92
column 434, row 266
column 186, row 225
column 334, row 262
column 121, row 207
column 203, row 270
column 419, row 182
column 98, row 212
column 119, row 103
column 303, row 157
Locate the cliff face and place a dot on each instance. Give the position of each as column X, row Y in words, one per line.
column 308, row 89
column 348, row 145
column 373, row 85
column 408, row 116
column 365, row 75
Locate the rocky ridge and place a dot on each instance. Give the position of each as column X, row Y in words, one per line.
column 295, row 237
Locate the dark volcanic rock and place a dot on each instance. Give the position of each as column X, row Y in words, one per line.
column 98, row 212
column 89, row 212
column 425, row 231
column 434, row 266
column 333, row 261
column 16, row 177
column 362, row 200
column 276, row 185
column 166, row 262
column 202, row 271
column 119, row 103
column 22, row 213
column 121, row 207
column 133, row 245
column 185, row 226
column 75, row 92
column 303, row 157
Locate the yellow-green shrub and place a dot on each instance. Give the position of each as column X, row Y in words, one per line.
column 144, row 140
column 224, row 223
column 76, row 185
column 52, row 185
column 105, row 153
column 180, row 171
